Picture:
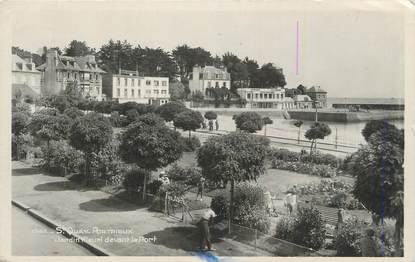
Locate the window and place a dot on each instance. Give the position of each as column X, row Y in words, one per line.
column 118, row 92
column 148, row 91
column 125, row 92
column 148, row 82
column 132, row 93
column 155, row 91
column 261, row 95
column 19, row 66
column 248, row 96
column 138, row 93
column 224, row 84
column 156, row 83
column 209, row 84
column 256, row 96
column 138, row 82
column 200, row 75
column 216, row 76
column 278, row 96
column 96, row 77
column 125, row 81
column 282, row 96
column 68, row 75
column 216, row 84
column 132, row 82
column 190, row 76
column 164, row 83
column 163, row 92
column 118, row 81
column 265, row 96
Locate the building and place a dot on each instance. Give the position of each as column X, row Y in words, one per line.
column 24, row 74
column 59, row 71
column 265, row 98
column 303, row 102
column 317, row 94
column 129, row 86
column 206, row 77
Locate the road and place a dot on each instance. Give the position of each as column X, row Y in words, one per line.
column 32, row 238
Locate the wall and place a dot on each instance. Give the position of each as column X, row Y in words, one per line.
column 346, row 116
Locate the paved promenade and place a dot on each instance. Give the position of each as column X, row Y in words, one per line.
column 95, row 216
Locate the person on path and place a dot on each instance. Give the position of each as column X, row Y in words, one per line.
column 210, row 125
column 200, row 188
column 203, row 125
column 368, row 244
column 217, row 125
column 203, row 225
column 290, row 201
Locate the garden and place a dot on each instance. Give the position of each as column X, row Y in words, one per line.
column 73, row 137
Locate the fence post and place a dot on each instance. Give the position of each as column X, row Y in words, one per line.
column 335, row 144
column 165, row 203
column 256, row 236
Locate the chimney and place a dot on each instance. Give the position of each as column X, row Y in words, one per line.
column 50, row 73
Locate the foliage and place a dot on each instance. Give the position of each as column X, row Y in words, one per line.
column 187, row 57
column 134, row 179
column 177, row 91
column 168, row 111
column 317, row 131
column 347, row 240
column 20, row 121
column 267, row 121
column 64, row 159
column 132, row 115
column 78, row 48
column 198, row 96
column 188, row 120
column 284, row 154
column 235, row 156
column 220, row 204
column 48, row 124
column 22, row 145
column 298, row 123
column 176, row 190
column 154, row 186
column 149, row 146
column 118, row 121
column 248, row 121
column 382, row 126
column 270, row 76
column 73, row 112
column 305, row 168
column 189, row 176
column 307, row 228
column 210, row 115
column 189, row 144
column 21, row 108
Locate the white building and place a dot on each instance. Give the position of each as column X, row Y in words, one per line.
column 25, row 73
column 303, row 102
column 129, row 86
column 208, row 77
column 266, row 98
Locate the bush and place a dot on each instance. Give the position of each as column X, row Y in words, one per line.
column 189, row 176
column 285, row 155
column 25, row 144
column 305, row 168
column 252, row 216
column 134, row 179
column 307, row 228
column 190, row 145
column 347, row 240
column 220, row 205
column 63, row 159
column 322, row 159
column 107, row 165
column 154, row 187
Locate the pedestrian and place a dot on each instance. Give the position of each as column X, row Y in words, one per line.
column 368, row 244
column 290, row 201
column 200, row 188
column 210, row 125
column 217, row 125
column 203, row 125
column 203, row 225
column 163, row 178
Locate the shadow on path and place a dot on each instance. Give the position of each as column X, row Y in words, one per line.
column 56, row 186
column 25, row 171
column 184, row 238
column 109, row 204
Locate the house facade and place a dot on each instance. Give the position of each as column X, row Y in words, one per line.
column 206, row 77
column 129, row 86
column 317, row 94
column 266, row 98
column 303, row 102
column 25, row 73
column 59, row 71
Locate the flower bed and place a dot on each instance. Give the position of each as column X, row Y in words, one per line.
column 305, row 168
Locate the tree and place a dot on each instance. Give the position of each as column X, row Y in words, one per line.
column 270, row 76
column 298, row 123
column 252, row 68
column 149, row 144
column 392, row 133
column 188, row 120
column 48, row 124
column 20, row 121
column 237, row 69
column 187, row 57
column 210, row 115
column 248, row 121
column 78, row 48
column 317, row 131
column 378, row 168
column 177, row 91
column 169, row 110
column 90, row 134
column 234, row 157
column 73, row 112
column 266, row 121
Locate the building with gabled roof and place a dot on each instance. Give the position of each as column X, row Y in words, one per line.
column 25, row 76
column 318, row 95
column 59, row 71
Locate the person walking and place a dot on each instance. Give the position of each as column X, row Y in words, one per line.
column 203, row 225
column 217, row 125
column 200, row 188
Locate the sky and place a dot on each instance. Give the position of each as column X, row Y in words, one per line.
column 348, row 50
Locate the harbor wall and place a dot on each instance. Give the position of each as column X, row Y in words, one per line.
column 346, row 116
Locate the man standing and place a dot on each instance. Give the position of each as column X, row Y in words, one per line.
column 203, row 225
column 210, row 123
column 217, row 125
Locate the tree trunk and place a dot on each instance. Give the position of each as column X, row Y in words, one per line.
column 189, row 134
column 299, row 135
column 311, row 147
column 315, row 145
column 17, row 147
column 398, row 237
column 231, row 206
column 145, row 187
column 265, row 130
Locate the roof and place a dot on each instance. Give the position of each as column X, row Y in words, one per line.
column 23, row 66
column 77, row 63
column 302, row 98
column 315, row 89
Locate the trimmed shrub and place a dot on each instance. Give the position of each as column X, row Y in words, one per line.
column 63, row 159
column 307, row 228
column 107, row 165
column 347, row 239
column 305, row 168
column 220, row 205
column 190, row 145
column 189, row 176
column 284, row 154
